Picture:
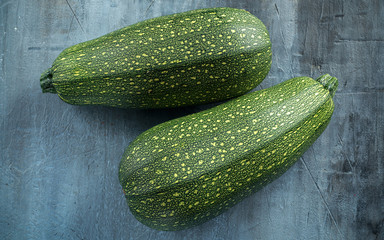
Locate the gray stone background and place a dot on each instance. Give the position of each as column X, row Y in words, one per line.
column 58, row 169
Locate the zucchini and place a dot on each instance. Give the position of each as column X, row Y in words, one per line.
column 188, row 170
column 189, row 58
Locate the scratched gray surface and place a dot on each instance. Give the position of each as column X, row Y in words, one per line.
column 58, row 175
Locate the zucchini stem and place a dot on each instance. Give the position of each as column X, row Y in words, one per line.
column 46, row 82
column 329, row 83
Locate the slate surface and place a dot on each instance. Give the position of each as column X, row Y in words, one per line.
column 58, row 170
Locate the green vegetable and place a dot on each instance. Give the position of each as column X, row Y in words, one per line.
column 188, row 170
column 188, row 58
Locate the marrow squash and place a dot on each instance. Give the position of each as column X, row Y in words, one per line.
column 188, row 170
column 188, row 58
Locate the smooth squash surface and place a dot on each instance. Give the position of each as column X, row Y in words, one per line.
column 188, row 58
column 188, row 170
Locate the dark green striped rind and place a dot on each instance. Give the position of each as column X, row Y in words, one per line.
column 188, row 170
column 188, row 58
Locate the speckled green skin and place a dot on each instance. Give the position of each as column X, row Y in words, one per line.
column 188, row 170
column 188, row 58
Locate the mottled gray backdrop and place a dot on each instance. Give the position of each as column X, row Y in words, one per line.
column 58, row 169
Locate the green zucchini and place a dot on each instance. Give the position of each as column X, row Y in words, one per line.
column 189, row 58
column 188, row 170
